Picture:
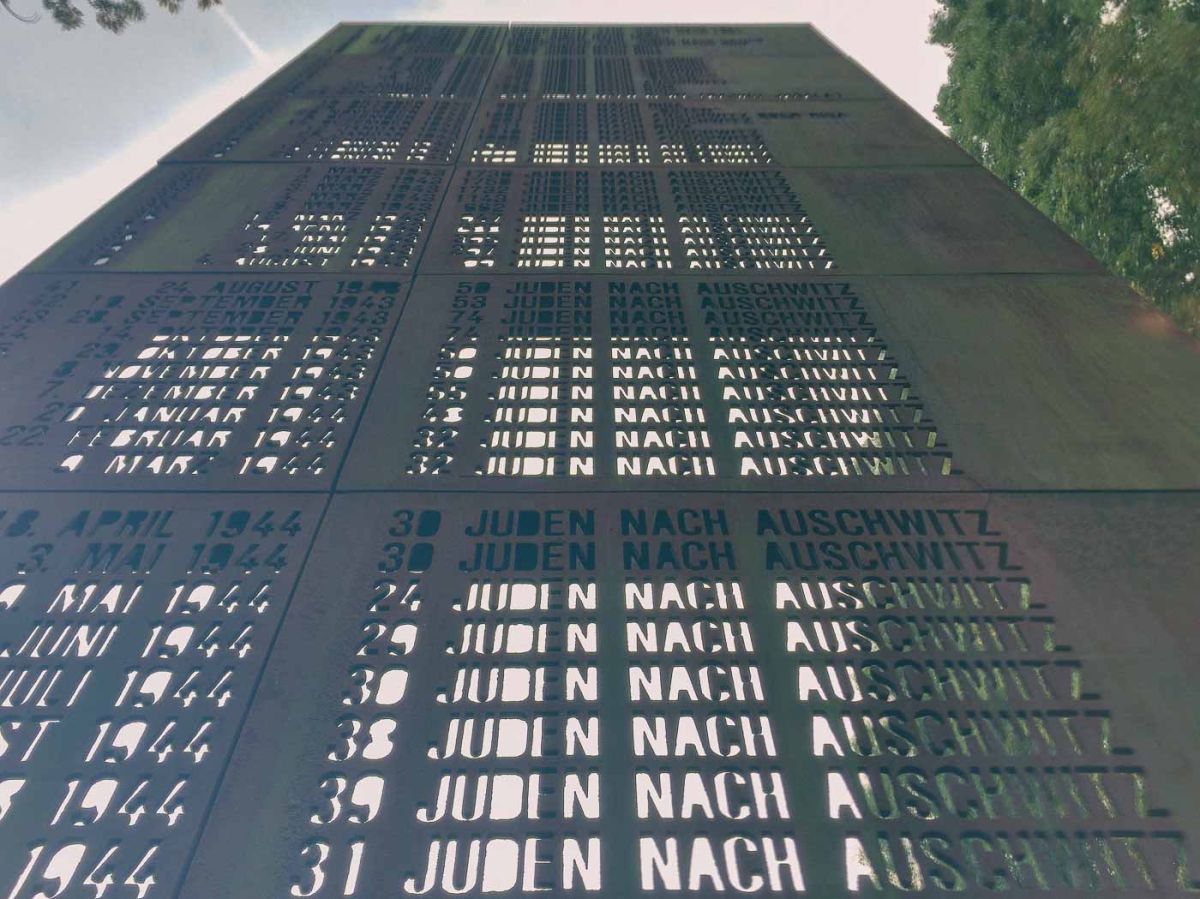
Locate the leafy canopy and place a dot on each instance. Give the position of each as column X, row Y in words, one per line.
column 111, row 15
column 1091, row 110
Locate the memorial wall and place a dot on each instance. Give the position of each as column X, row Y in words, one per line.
column 590, row 461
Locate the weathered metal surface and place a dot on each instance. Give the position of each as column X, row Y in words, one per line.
column 135, row 631
column 571, row 219
column 542, row 382
column 407, row 131
column 188, row 382
column 730, row 218
column 668, row 77
column 601, row 461
column 1048, row 382
column 604, row 682
column 798, row 40
column 621, row 132
column 319, row 217
column 616, row 132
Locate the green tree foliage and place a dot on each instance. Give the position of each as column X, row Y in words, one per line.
column 111, row 15
column 1090, row 109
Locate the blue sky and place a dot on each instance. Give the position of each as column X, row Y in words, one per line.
column 84, row 113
